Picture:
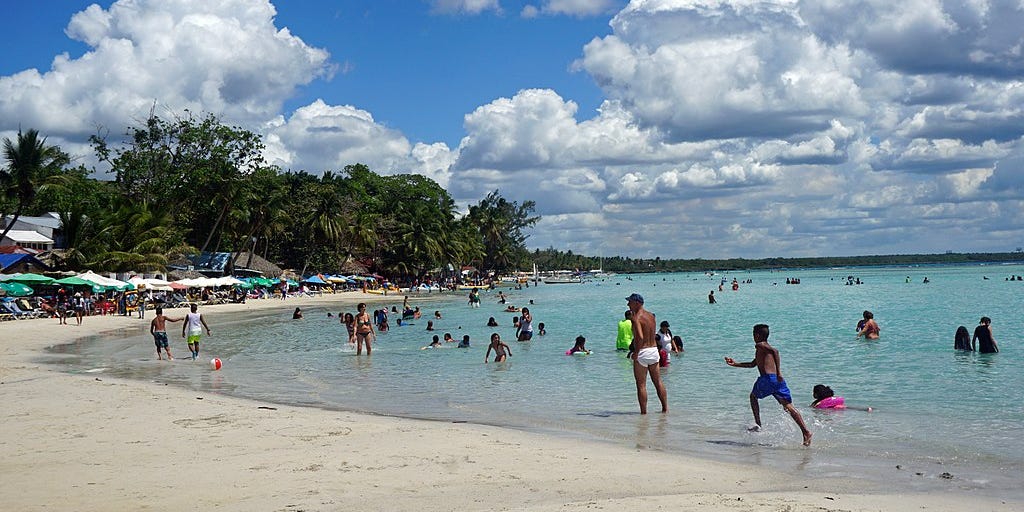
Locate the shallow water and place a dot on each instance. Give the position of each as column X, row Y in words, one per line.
column 935, row 410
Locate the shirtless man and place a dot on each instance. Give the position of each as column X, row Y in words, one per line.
column 766, row 359
column 158, row 328
column 646, row 356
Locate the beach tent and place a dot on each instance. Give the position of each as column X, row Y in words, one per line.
column 16, row 289
column 106, row 282
column 314, row 280
column 20, row 263
column 30, row 279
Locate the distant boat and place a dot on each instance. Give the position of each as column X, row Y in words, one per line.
column 562, row 280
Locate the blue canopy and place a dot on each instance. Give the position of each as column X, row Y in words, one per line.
column 314, row 280
column 9, row 261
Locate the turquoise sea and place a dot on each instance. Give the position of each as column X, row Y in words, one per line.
column 936, row 410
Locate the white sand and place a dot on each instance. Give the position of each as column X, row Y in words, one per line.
column 89, row 442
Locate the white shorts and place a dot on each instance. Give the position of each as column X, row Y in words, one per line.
column 648, row 356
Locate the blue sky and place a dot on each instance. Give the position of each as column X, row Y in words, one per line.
column 673, row 128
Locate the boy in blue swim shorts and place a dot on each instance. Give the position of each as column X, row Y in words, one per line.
column 766, row 359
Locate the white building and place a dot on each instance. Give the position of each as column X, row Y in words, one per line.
column 48, row 226
column 27, row 240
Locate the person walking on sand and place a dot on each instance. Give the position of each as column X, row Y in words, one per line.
column 194, row 324
column 986, row 343
column 770, row 382
column 646, row 356
column 501, row 349
column 158, row 328
column 364, row 330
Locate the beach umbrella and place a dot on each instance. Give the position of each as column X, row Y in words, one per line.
column 77, row 281
column 314, row 280
column 74, row 281
column 106, row 282
column 30, row 279
column 16, row 289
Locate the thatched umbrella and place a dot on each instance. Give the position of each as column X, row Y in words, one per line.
column 353, row 266
column 255, row 262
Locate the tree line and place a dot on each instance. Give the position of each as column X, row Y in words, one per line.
column 554, row 259
column 192, row 184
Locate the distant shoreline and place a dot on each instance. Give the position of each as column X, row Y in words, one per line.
column 646, row 266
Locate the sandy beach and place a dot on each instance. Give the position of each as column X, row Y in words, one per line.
column 90, row 442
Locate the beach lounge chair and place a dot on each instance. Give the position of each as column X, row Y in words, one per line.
column 8, row 306
column 25, row 306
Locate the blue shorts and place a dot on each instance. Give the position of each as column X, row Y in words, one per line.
column 769, row 384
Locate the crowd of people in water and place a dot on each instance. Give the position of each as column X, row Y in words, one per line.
column 649, row 345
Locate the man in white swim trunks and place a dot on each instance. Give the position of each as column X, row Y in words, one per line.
column 646, row 357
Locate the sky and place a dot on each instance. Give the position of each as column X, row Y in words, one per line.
column 643, row 128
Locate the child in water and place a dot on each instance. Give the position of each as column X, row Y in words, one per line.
column 541, row 331
column 579, row 347
column 824, row 398
column 500, row 348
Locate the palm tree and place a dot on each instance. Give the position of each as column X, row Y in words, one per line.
column 26, row 161
column 138, row 238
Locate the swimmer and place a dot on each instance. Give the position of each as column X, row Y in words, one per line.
column 437, row 315
column 678, row 342
column 962, row 339
column 430, row 325
column 448, row 338
column 491, row 322
column 579, row 347
column 297, row 315
column 824, row 398
column 436, row 343
column 986, row 342
column 870, row 329
column 350, row 325
column 500, row 348
column 465, row 342
column 541, row 331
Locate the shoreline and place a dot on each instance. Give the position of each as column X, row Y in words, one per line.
column 90, row 442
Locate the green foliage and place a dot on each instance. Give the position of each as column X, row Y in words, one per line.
column 501, row 225
column 193, row 184
column 30, row 164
